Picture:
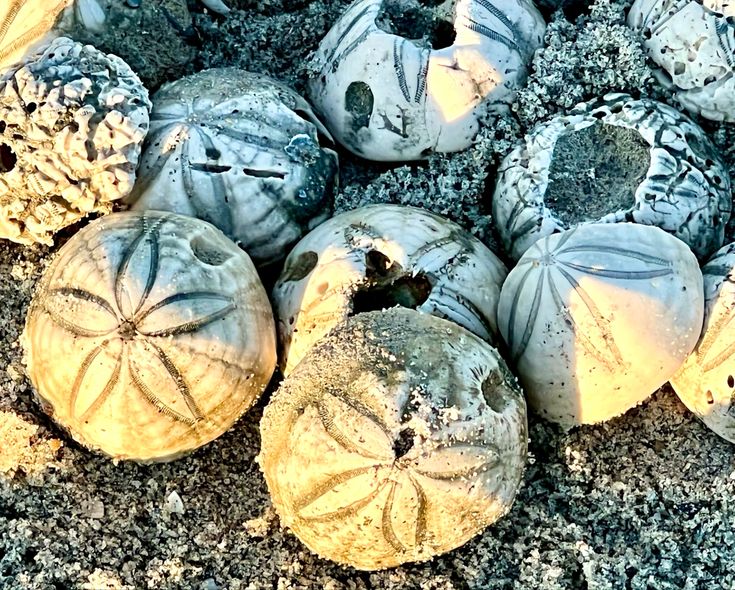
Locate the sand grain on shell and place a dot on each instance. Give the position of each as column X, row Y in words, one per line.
column 643, row 501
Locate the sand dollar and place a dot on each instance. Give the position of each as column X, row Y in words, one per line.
column 399, row 437
column 149, row 335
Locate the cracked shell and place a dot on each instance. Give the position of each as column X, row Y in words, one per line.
column 598, row 317
column 72, row 123
column 386, row 97
column 693, row 45
column 381, row 256
column 241, row 151
column 705, row 382
column 149, row 335
column 611, row 160
column 399, row 437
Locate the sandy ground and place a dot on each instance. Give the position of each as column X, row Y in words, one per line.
column 642, row 502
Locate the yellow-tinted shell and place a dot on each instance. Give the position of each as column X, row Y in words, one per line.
column 149, row 335
column 24, row 23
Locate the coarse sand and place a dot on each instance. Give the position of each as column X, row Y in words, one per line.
column 641, row 502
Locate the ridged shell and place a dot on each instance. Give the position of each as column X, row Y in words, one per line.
column 686, row 189
column 385, row 97
column 149, row 335
column 599, row 317
column 72, row 124
column 693, row 43
column 399, row 437
column 706, row 381
column 241, row 151
column 380, row 256
column 25, row 24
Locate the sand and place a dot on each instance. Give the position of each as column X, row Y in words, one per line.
column 641, row 502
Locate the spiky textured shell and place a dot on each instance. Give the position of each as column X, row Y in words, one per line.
column 149, row 335
column 241, row 151
column 706, row 381
column 385, row 97
column 73, row 120
column 693, row 43
column 352, row 253
column 399, row 437
column 598, row 317
column 686, row 190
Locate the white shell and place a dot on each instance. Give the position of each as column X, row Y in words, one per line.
column 386, row 255
column 385, row 97
column 706, row 381
column 241, row 151
column 216, row 6
column 149, row 335
column 72, row 124
column 398, row 438
column 686, row 189
column 598, row 317
column 693, row 43
column 90, row 14
column 24, row 25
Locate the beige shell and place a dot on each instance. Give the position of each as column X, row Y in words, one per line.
column 25, row 24
column 706, row 381
column 399, row 437
column 149, row 335
column 72, row 124
column 598, row 317
column 380, row 256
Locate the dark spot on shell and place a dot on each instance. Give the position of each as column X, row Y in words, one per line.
column 359, row 103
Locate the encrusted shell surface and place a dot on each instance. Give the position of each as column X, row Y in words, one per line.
column 380, row 256
column 693, row 43
column 598, row 317
column 706, row 381
column 26, row 24
column 399, row 437
column 385, row 97
column 72, row 123
column 149, row 335
column 685, row 189
column 241, row 151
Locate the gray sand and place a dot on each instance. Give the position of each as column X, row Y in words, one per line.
column 642, row 502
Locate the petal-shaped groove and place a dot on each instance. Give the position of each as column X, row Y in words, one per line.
column 359, row 434
column 79, row 396
column 459, row 461
column 387, row 521
column 80, row 312
column 421, row 511
column 166, row 372
column 518, row 350
column 216, row 307
column 611, row 273
column 599, row 320
column 141, row 255
column 310, row 502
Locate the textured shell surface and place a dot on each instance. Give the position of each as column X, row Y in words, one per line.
column 26, row 24
column 389, row 98
column 598, row 317
column 693, row 44
column 685, row 189
column 72, row 124
column 706, row 382
column 399, row 437
column 381, row 256
column 241, row 151
column 149, row 335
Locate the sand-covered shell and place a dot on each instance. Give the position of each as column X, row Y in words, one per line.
column 380, row 256
column 149, row 335
column 72, row 124
column 706, row 381
column 693, row 45
column 388, row 97
column 611, row 160
column 598, row 317
column 399, row 437
column 243, row 152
